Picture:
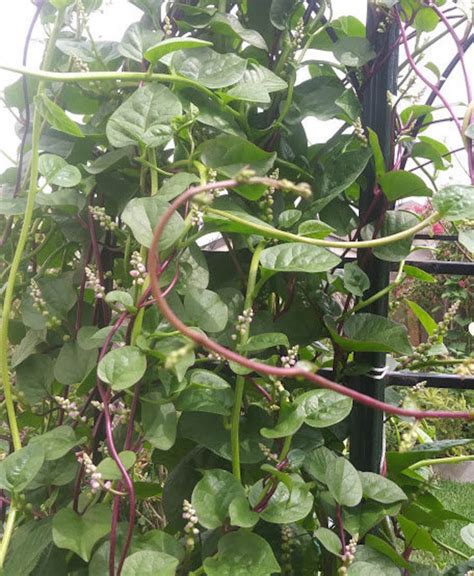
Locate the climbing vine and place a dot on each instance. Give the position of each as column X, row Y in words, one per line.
column 177, row 271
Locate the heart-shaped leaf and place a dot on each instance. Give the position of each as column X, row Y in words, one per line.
column 122, row 367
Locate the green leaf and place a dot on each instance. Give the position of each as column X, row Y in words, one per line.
column 137, row 40
column 353, row 51
column 256, row 85
column 34, row 377
column 56, row 117
column 206, row 392
column 400, row 184
column 27, row 346
column 159, row 422
column 206, row 310
column 419, row 274
column 426, row 20
column 426, row 320
column 298, row 257
column 230, row 154
column 80, row 533
column 466, row 238
column 288, row 218
column 372, row 333
column 319, row 97
column 57, row 442
column 19, row 468
column 416, row 536
column 324, row 408
column 209, row 68
column 290, row 420
column 73, row 364
column 343, row 482
column 120, row 297
column 85, row 50
column 108, row 160
column 58, row 172
column 149, row 563
column 369, row 562
column 156, row 52
column 56, row 472
column 29, row 542
column 240, row 513
column 455, row 202
column 142, row 216
column 213, row 495
column 144, row 118
column 329, row 540
column 284, row 506
column 261, row 342
column 315, row 229
column 61, row 4
column 380, row 489
column 160, row 541
column 122, row 367
column 176, row 185
column 242, row 553
column 89, row 338
column 317, row 461
column 467, row 535
column 109, row 469
column 280, row 13
column 229, row 25
column 356, row 280
column 377, row 153
column 395, row 221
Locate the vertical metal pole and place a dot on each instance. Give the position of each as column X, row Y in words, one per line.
column 367, row 429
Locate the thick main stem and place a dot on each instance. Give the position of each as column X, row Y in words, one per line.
column 240, row 380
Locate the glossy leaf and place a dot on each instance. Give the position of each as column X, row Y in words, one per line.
column 229, row 24
column 176, row 185
column 144, row 118
column 80, row 533
column 380, row 489
column 455, row 202
column 73, row 363
column 159, row 422
column 213, row 495
column 57, row 442
column 149, row 563
column 110, row 470
column 242, row 553
column 137, row 40
column 122, row 367
column 353, row 51
column 142, row 216
column 19, row 468
column 315, row 229
column 157, row 51
column 428, row 323
column 280, row 12
column 298, row 257
column 467, row 535
column 206, row 392
column 324, row 408
column 209, row 68
column 395, row 221
column 206, row 310
column 284, row 506
column 329, row 540
column 240, row 513
column 400, row 184
column 56, row 117
column 466, row 238
column 289, row 422
column 58, row 172
column 356, row 280
column 343, row 482
column 261, row 342
column 369, row 562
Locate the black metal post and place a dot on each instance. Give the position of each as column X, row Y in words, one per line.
column 366, row 437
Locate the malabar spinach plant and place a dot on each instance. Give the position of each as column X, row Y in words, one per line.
column 175, row 275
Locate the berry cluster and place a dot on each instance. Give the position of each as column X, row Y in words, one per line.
column 70, row 408
column 420, row 354
column 197, row 217
column 138, row 271
column 243, row 323
column 359, row 131
column 40, row 304
column 266, row 202
column 286, row 549
column 298, row 36
column 117, row 409
column 292, row 358
column 105, row 221
column 349, row 555
column 93, row 282
column 189, row 514
column 95, row 478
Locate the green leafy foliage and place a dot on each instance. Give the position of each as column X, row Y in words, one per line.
column 232, row 470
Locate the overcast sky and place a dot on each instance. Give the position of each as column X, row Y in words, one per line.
column 111, row 22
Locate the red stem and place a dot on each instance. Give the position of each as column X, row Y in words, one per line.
column 204, row 341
